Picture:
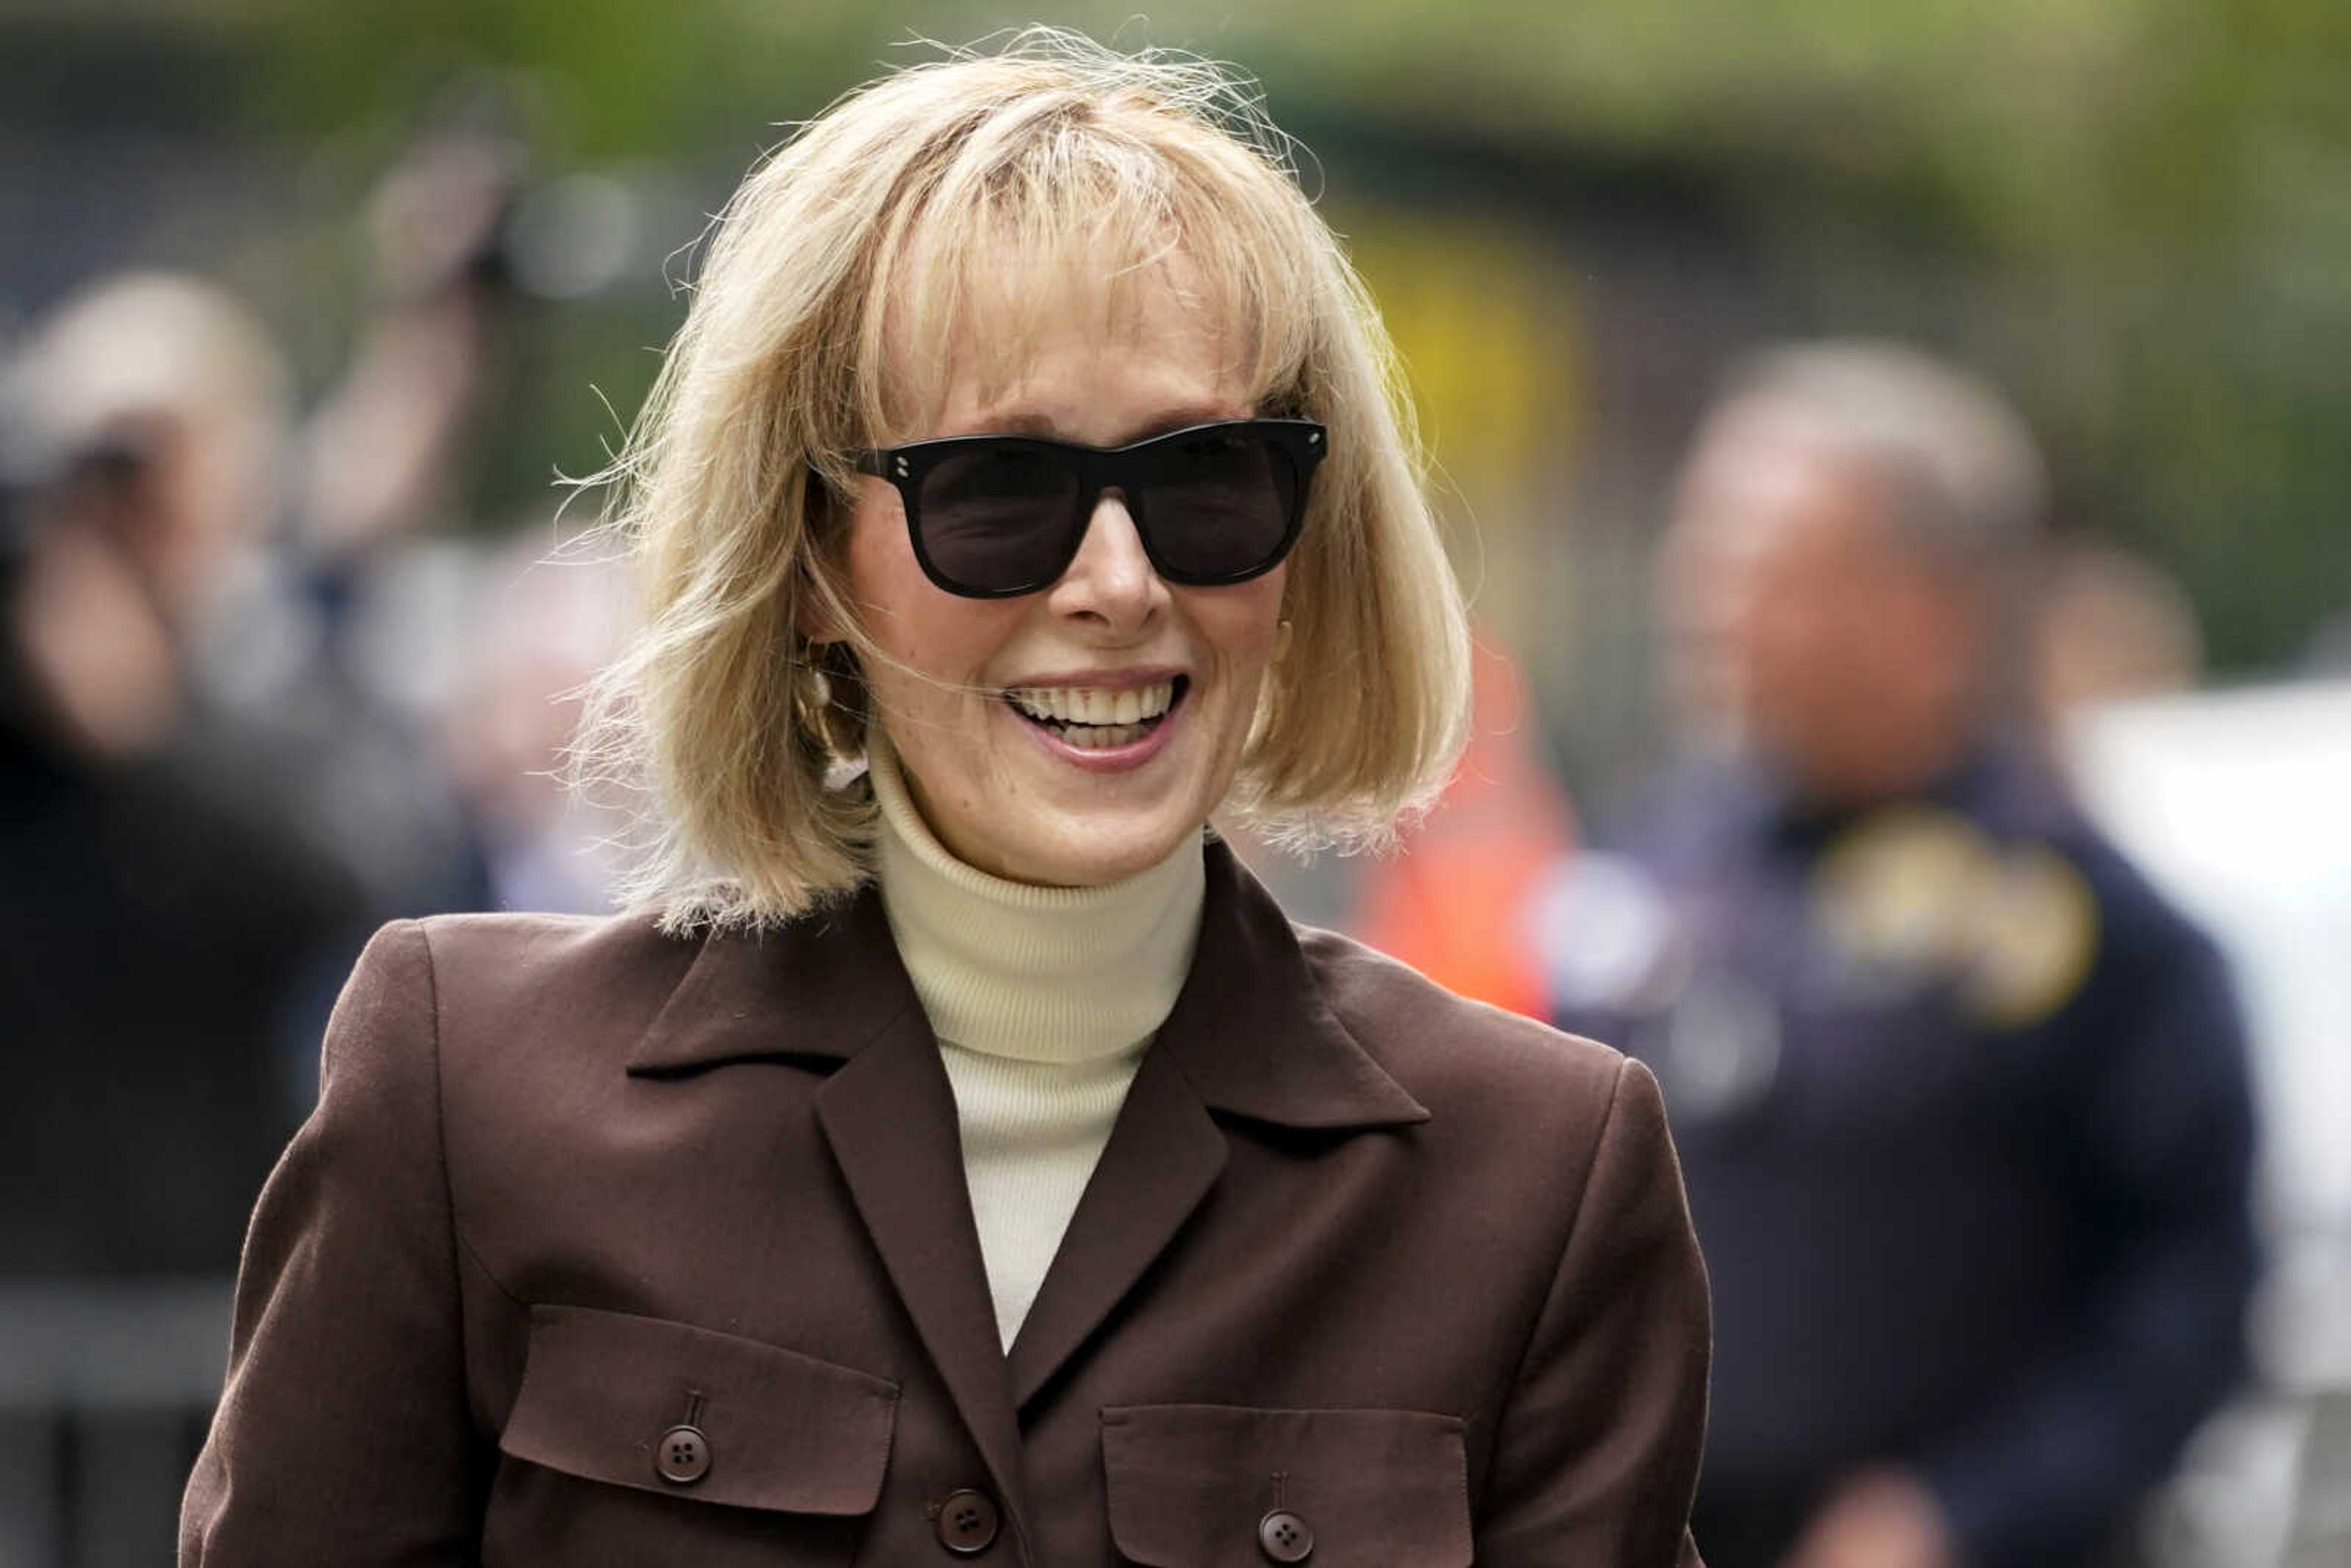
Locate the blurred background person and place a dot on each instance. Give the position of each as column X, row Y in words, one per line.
column 193, row 710
column 208, row 797
column 1963, row 1102
column 164, row 935
column 160, row 923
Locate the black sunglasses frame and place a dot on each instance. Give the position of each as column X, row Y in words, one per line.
column 1130, row 470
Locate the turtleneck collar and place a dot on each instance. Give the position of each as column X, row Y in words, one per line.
column 1037, row 973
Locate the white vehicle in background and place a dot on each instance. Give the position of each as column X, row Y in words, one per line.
column 2237, row 803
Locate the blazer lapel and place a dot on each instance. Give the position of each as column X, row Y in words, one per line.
column 1251, row 1037
column 1164, row 1154
column 831, row 986
column 890, row 1116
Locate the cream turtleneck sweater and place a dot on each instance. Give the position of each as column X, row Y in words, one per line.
column 1044, row 999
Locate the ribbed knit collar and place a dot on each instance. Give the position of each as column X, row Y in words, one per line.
column 1038, row 974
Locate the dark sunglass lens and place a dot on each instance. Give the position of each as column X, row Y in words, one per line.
column 995, row 518
column 1221, row 504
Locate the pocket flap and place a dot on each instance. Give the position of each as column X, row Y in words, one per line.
column 1190, row 1485
column 781, row 1430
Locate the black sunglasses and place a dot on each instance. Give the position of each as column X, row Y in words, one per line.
column 996, row 515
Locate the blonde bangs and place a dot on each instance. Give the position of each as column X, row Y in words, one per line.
column 1081, row 209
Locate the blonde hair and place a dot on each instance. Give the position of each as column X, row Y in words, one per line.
column 836, row 285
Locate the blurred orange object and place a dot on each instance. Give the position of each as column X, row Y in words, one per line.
column 1454, row 903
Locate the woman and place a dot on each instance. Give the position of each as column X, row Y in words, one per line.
column 967, row 1157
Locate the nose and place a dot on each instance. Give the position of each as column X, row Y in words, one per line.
column 1111, row 582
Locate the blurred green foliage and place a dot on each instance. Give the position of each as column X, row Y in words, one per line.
column 2136, row 214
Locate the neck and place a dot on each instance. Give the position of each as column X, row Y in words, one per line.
column 1041, row 974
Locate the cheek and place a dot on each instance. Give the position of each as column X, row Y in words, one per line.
column 881, row 566
column 924, row 635
column 1242, row 624
column 933, row 671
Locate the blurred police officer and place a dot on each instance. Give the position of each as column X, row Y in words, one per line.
column 1961, row 1102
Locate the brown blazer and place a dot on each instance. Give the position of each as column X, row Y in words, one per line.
column 1365, row 1269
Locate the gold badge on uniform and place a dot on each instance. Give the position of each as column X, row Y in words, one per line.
column 1916, row 895
column 1891, row 897
column 2035, row 931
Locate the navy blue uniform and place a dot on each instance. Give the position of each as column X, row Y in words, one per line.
column 1963, row 1110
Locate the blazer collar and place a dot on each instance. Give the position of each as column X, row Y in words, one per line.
column 1250, row 1031
column 823, row 985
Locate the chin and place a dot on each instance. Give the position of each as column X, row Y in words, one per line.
column 1088, row 853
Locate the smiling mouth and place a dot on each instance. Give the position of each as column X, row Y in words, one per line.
column 1096, row 718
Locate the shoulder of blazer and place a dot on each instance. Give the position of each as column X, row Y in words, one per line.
column 589, row 984
column 1448, row 1052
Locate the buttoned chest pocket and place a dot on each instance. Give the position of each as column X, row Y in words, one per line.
column 641, row 1440
column 1221, row 1486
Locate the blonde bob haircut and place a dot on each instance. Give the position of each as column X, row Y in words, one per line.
column 951, row 204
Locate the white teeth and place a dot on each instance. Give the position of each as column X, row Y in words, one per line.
column 1096, row 707
column 1101, row 737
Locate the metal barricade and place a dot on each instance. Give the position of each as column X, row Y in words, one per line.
column 105, row 1392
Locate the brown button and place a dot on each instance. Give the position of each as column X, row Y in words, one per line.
column 682, row 1456
column 1284, row 1537
column 967, row 1521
